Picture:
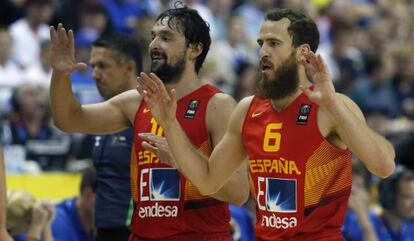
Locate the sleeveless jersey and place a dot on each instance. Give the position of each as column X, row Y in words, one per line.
column 300, row 181
column 169, row 207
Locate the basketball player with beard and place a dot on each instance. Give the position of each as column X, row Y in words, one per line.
column 298, row 136
column 167, row 206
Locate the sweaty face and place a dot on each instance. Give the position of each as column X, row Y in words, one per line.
column 167, row 51
column 109, row 72
column 282, row 82
column 278, row 66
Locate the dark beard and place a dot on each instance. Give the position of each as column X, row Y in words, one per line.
column 170, row 74
column 284, row 84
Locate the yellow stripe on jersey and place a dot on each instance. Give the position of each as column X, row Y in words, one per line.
column 191, row 192
column 328, row 171
column 134, row 175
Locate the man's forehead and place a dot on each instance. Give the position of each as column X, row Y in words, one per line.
column 102, row 54
column 275, row 28
column 166, row 25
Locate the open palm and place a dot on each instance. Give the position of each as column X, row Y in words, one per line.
column 62, row 52
column 162, row 105
column 323, row 90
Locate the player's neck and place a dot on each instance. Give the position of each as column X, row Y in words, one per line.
column 281, row 104
column 188, row 83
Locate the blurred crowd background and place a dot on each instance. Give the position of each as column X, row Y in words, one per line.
column 367, row 44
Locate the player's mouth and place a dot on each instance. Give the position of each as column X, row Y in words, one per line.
column 157, row 57
column 265, row 66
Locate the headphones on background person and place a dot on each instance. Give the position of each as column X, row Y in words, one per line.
column 388, row 188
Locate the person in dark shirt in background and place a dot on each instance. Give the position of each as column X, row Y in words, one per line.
column 116, row 59
column 74, row 216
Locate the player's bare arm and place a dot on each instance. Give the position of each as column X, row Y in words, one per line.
column 226, row 157
column 68, row 114
column 236, row 190
column 346, row 120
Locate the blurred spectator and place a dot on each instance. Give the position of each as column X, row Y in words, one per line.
column 10, row 76
column 252, row 12
column 396, row 196
column 74, row 216
column 143, row 35
column 404, row 79
column 358, row 220
column 155, row 7
column 374, row 93
column 124, row 14
column 93, row 22
column 404, row 143
column 348, row 60
column 30, row 31
column 10, row 11
column 246, row 85
column 116, row 61
column 221, row 11
column 242, row 224
column 40, row 74
column 205, row 13
column 229, row 54
column 30, row 126
column 28, row 218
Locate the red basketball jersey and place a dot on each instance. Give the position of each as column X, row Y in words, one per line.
column 169, row 207
column 300, row 181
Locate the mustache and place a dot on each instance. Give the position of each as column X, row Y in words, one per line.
column 155, row 54
column 265, row 62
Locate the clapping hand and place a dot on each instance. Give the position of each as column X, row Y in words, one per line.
column 159, row 146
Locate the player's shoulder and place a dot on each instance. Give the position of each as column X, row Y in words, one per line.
column 242, row 107
column 244, row 103
column 126, row 96
column 222, row 98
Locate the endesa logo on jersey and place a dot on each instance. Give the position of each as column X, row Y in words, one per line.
column 158, row 185
column 277, row 196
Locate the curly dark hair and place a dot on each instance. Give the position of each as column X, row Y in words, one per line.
column 192, row 25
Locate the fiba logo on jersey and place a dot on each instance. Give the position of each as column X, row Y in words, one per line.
column 303, row 115
column 191, row 109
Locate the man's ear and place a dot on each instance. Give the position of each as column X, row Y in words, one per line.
column 301, row 51
column 195, row 50
column 130, row 65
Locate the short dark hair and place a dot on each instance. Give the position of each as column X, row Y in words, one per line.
column 302, row 28
column 124, row 45
column 194, row 28
column 89, row 179
column 389, row 187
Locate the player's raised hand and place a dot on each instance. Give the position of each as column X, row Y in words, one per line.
column 62, row 52
column 323, row 91
column 163, row 106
